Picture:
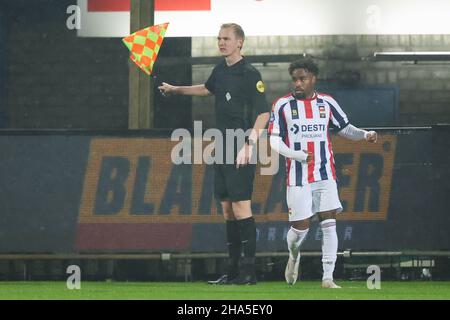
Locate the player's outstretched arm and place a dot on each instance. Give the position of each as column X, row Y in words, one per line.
column 277, row 144
column 353, row 133
column 197, row 90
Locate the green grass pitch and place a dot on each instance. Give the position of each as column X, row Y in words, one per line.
column 302, row 290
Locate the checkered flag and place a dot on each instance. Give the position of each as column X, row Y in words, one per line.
column 145, row 44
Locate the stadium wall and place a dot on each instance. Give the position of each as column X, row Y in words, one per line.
column 119, row 192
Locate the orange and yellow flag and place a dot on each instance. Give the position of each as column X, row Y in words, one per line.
column 145, row 44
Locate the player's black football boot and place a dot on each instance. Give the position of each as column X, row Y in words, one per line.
column 221, row 281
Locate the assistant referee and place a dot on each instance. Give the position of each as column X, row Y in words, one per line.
column 240, row 104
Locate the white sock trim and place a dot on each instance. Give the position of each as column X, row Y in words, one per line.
column 328, row 223
column 299, row 232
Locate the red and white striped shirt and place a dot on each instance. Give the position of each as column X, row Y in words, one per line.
column 303, row 125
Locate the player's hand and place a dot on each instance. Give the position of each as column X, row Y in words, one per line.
column 310, row 156
column 371, row 137
column 304, row 156
column 244, row 156
column 166, row 89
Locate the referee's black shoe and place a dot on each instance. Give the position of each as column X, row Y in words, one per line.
column 223, row 280
column 247, row 273
column 244, row 279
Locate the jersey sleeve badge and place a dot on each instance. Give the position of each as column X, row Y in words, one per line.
column 260, row 86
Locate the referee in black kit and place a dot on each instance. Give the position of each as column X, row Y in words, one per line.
column 240, row 102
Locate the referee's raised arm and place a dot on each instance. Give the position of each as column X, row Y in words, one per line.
column 197, row 90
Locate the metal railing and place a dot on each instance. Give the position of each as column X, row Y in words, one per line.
column 170, row 256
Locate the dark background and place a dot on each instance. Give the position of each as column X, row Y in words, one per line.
column 52, row 79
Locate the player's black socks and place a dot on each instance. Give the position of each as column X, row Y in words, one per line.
column 234, row 247
column 247, row 231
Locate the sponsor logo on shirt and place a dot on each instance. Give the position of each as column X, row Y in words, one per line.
column 312, row 131
column 312, row 127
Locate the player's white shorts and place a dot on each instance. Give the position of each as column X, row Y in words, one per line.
column 305, row 201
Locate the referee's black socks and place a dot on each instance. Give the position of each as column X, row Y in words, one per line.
column 247, row 231
column 234, row 247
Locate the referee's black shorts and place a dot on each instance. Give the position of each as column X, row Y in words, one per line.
column 234, row 184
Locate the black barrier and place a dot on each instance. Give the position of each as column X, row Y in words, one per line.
column 441, row 182
column 117, row 192
column 41, row 182
column 3, row 69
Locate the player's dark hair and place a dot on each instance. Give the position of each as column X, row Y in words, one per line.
column 306, row 64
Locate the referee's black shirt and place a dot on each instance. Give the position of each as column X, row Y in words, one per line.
column 239, row 95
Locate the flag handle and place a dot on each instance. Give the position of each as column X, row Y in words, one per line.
column 158, row 83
